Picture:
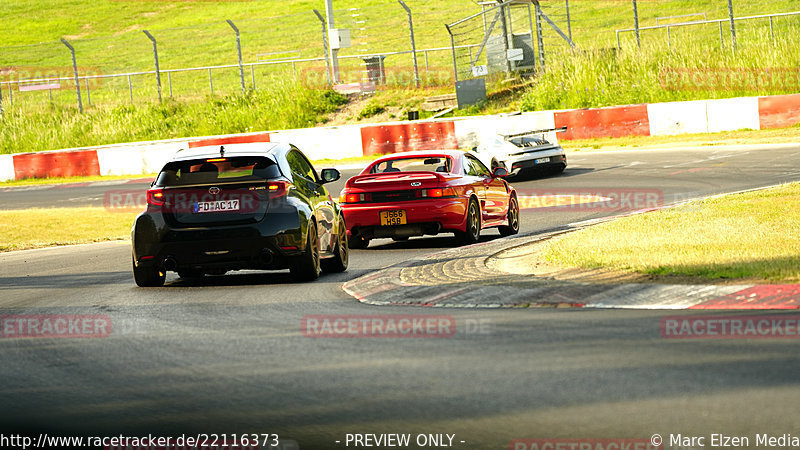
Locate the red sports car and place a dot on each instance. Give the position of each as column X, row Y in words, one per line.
column 430, row 192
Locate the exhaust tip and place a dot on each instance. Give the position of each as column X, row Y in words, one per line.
column 170, row 263
column 265, row 257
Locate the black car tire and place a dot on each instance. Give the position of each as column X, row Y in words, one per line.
column 513, row 219
column 473, row 233
column 341, row 253
column 359, row 242
column 307, row 266
column 148, row 276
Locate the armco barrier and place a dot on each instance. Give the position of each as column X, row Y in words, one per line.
column 403, row 137
column 357, row 140
column 56, row 164
column 615, row 121
column 779, row 111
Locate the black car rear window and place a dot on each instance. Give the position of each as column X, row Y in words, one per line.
column 218, row 170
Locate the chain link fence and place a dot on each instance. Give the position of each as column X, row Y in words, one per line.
column 391, row 43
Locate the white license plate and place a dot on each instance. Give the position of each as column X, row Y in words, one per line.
column 216, row 206
column 541, row 160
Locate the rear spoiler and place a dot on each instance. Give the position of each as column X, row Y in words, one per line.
column 533, row 132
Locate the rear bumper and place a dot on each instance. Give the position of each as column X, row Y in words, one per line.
column 515, row 166
column 422, row 217
column 269, row 244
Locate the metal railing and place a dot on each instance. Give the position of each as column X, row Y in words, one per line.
column 668, row 27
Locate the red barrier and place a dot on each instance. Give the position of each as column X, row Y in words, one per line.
column 617, row 121
column 249, row 139
column 56, row 164
column 397, row 138
column 779, row 111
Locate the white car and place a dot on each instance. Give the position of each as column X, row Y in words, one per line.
column 522, row 152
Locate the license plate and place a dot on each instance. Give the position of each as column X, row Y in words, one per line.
column 393, row 217
column 541, row 160
column 216, row 206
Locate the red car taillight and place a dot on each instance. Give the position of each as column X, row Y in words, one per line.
column 436, row 193
column 155, row 197
column 278, row 188
column 354, row 198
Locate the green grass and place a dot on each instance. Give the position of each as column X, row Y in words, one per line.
column 34, row 228
column 741, row 236
column 284, row 105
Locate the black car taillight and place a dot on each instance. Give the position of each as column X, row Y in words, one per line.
column 155, row 197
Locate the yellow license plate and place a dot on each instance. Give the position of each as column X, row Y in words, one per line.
column 393, row 217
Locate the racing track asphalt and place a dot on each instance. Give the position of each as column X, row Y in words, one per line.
column 227, row 354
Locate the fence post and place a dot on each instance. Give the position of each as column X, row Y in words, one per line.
column 569, row 22
column 413, row 42
column 325, row 46
column 504, row 24
column 539, row 35
column 88, row 93
column 11, row 94
column 210, row 81
column 1, row 97
column 636, row 23
column 771, row 30
column 155, row 55
column 453, row 47
column 239, row 51
column 130, row 88
column 733, row 25
column 721, row 36
column 75, row 73
column 169, row 80
column 333, row 51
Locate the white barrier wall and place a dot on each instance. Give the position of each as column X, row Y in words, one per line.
column 677, row 118
column 324, row 143
column 7, row 167
column 733, row 114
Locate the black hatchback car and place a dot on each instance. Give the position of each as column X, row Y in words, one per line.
column 224, row 207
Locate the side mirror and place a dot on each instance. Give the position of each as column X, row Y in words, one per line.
column 500, row 172
column 330, row 175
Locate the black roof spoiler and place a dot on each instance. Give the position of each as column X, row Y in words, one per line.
column 533, row 132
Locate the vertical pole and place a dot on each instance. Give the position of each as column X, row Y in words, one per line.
column 771, row 29
column 533, row 40
column 130, row 88
column 169, row 80
column 253, row 75
column 88, row 93
column 325, row 47
column 733, row 24
column 294, row 69
column 539, row 35
column 75, row 73
column 453, row 47
column 413, row 42
column 721, row 36
column 239, row 51
column 210, row 81
column 11, row 94
column 1, row 96
column 619, row 47
column 636, row 23
column 569, row 22
column 427, row 67
column 504, row 22
column 669, row 38
column 155, row 56
column 334, row 52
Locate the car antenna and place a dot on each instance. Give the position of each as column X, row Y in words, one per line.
column 222, row 151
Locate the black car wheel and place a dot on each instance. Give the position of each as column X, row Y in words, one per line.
column 513, row 219
column 359, row 242
column 307, row 266
column 341, row 253
column 148, row 276
column 473, row 232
